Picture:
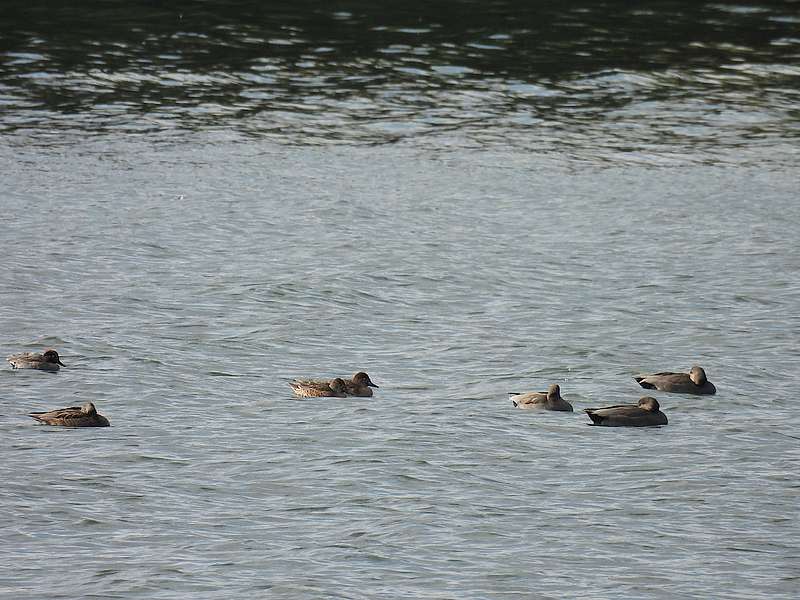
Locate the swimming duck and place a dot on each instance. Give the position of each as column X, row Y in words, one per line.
column 549, row 400
column 48, row 361
column 645, row 414
column 694, row 382
column 360, row 385
column 73, row 416
column 307, row 388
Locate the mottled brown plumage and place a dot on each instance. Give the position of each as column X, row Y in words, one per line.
column 309, row 388
column 73, row 416
column 359, row 385
column 47, row 361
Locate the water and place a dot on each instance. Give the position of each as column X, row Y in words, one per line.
column 201, row 203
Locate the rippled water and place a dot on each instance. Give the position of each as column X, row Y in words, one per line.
column 689, row 81
column 200, row 203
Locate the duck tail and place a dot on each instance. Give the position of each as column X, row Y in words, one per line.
column 596, row 419
column 644, row 384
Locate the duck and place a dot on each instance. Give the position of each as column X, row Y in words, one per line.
column 647, row 413
column 309, row 388
column 46, row 361
column 360, row 385
column 693, row 382
column 73, row 416
column 549, row 400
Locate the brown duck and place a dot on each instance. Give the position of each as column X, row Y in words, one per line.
column 73, row 416
column 47, row 361
column 645, row 414
column 308, row 388
column 549, row 400
column 360, row 385
column 693, row 382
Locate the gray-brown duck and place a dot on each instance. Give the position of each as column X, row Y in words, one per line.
column 646, row 413
column 46, row 361
column 693, row 382
column 549, row 400
column 73, row 416
column 311, row 388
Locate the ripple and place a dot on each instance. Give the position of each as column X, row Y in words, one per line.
column 190, row 277
column 572, row 87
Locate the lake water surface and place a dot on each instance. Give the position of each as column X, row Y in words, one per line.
column 202, row 202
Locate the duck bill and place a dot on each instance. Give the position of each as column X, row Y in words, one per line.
column 62, row 364
column 370, row 384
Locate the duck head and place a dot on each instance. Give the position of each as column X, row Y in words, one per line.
column 338, row 385
column 51, row 356
column 362, row 378
column 697, row 375
column 649, row 404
